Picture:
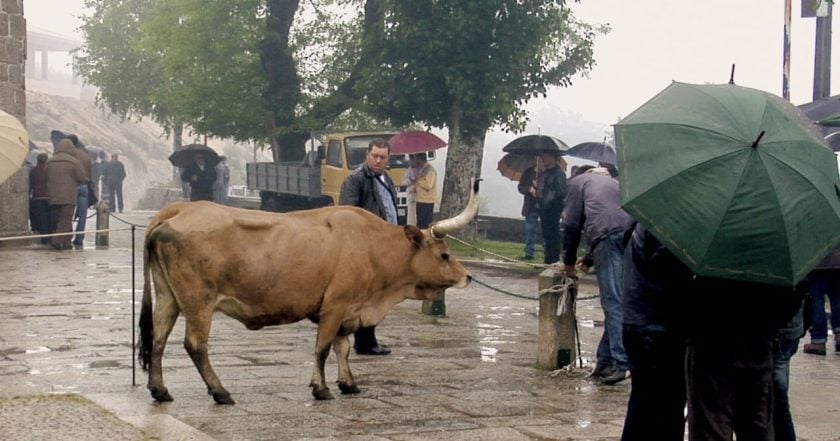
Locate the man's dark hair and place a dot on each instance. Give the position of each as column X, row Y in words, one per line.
column 42, row 158
column 583, row 169
column 379, row 142
column 74, row 139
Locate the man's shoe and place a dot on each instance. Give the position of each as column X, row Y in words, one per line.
column 526, row 258
column 602, row 372
column 616, row 377
column 814, row 348
column 376, row 350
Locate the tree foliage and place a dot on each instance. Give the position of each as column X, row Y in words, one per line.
column 112, row 60
column 469, row 65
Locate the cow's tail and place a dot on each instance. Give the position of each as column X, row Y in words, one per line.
column 144, row 354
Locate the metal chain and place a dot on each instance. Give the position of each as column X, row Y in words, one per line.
column 127, row 222
column 503, row 291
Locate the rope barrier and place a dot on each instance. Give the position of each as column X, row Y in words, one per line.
column 72, row 233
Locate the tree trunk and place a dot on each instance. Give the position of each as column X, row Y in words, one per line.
column 463, row 162
column 283, row 91
column 177, row 142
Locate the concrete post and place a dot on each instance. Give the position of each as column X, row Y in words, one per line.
column 103, row 216
column 556, row 345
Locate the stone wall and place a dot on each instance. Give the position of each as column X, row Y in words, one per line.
column 14, row 201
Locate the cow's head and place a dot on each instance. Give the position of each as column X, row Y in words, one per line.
column 435, row 267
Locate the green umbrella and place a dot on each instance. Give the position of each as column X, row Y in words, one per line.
column 734, row 181
column 831, row 121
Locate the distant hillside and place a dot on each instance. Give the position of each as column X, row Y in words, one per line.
column 143, row 146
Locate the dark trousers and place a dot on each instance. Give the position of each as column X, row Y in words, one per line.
column 115, row 196
column 39, row 215
column 730, row 384
column 657, row 395
column 550, row 224
column 424, row 214
column 62, row 222
column 365, row 338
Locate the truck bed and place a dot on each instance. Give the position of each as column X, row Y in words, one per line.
column 285, row 177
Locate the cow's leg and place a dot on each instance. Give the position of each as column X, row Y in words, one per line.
column 195, row 342
column 341, row 346
column 327, row 330
column 164, row 317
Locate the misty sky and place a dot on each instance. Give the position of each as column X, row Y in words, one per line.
column 652, row 43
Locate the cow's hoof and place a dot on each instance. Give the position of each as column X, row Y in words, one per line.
column 322, row 394
column 161, row 395
column 348, row 388
column 222, row 397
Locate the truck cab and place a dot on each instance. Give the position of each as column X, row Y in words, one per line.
column 316, row 182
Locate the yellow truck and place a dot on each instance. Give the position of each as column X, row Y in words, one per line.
column 316, row 181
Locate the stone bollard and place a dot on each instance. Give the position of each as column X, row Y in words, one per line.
column 103, row 216
column 556, row 344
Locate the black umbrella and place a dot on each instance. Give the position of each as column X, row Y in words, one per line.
column 58, row 135
column 186, row 155
column 594, row 151
column 535, row 144
column 823, row 109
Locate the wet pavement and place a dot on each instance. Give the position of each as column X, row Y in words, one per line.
column 66, row 366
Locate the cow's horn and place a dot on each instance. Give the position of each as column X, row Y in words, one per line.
column 448, row 226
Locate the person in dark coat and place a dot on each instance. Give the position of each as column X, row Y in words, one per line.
column 824, row 281
column 655, row 339
column 64, row 175
column 370, row 187
column 593, row 211
column 201, row 177
column 115, row 177
column 528, row 188
column 39, row 203
column 550, row 194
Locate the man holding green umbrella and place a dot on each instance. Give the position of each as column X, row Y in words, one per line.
column 737, row 185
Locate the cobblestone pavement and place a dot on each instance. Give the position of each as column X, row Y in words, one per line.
column 65, row 329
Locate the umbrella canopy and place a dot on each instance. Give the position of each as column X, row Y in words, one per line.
column 826, row 113
column 186, row 155
column 58, row 135
column 14, row 145
column 415, row 141
column 594, row 151
column 512, row 165
column 734, row 181
column 535, row 144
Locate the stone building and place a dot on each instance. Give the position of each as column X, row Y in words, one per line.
column 14, row 200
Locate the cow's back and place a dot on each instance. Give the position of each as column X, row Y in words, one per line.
column 258, row 267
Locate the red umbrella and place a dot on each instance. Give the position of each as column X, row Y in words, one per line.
column 415, row 141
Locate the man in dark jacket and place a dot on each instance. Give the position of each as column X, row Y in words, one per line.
column 593, row 209
column 550, row 194
column 527, row 186
column 654, row 284
column 115, row 177
column 201, row 177
column 370, row 187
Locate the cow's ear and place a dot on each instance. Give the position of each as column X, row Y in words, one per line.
column 414, row 235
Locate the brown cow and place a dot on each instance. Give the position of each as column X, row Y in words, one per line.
column 341, row 267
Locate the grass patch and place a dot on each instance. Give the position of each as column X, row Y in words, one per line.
column 511, row 250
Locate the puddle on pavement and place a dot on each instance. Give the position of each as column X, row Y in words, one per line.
column 100, row 364
column 488, row 354
column 118, row 291
column 38, row 350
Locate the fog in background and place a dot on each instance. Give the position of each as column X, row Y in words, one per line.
column 652, row 43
